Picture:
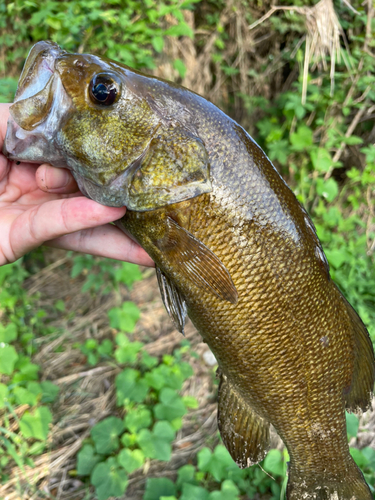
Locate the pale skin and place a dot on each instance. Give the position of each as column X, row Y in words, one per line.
column 40, row 204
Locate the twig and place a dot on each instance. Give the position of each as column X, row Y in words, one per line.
column 349, row 132
column 269, row 14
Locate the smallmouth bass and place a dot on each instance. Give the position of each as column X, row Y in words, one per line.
column 234, row 250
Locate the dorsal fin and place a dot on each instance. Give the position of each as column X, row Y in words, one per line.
column 244, row 433
column 361, row 390
column 173, row 301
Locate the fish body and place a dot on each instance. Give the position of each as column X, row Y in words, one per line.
column 234, row 250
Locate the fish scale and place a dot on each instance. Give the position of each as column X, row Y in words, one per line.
column 233, row 248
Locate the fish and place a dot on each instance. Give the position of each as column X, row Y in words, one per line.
column 234, row 251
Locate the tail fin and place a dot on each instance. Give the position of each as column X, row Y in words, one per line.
column 350, row 485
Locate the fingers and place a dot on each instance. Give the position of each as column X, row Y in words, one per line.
column 52, row 220
column 105, row 241
column 55, row 180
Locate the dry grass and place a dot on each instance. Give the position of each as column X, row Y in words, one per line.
column 87, row 394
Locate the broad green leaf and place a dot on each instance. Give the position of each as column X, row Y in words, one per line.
column 302, row 138
column 337, row 257
column 273, row 463
column 229, row 491
column 328, row 189
column 157, row 443
column 158, row 43
column 186, row 474
column 321, row 159
column 49, row 391
column 192, row 492
column 8, row 358
column 128, row 274
column 109, row 479
column 3, row 395
column 352, row 424
column 358, row 457
column 127, row 351
column 86, row 460
column 171, row 405
column 180, row 67
column 131, row 460
column 130, row 386
column 217, row 463
column 124, row 317
column 36, row 424
column 137, row 418
column 105, row 435
column 159, row 487
column 8, row 333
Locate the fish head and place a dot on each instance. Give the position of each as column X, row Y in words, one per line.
column 100, row 120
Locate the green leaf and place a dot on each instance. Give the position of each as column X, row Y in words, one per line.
column 8, row 358
column 321, row 159
column 131, row 460
column 352, row 424
column 35, row 425
column 337, row 257
column 181, row 29
column 171, row 405
column 130, row 386
column 50, row 391
column 180, row 67
column 358, row 457
column 192, row 492
column 156, row 444
column 128, row 274
column 217, row 463
column 302, row 139
column 137, row 418
column 229, row 491
column 105, row 435
column 109, row 479
column 86, row 460
column 273, row 463
column 3, row 395
column 127, row 352
column 158, row 43
column 159, row 487
column 124, row 317
column 8, row 333
column 328, row 189
column 186, row 474
column 24, row 396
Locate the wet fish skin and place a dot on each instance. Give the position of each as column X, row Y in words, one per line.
column 237, row 252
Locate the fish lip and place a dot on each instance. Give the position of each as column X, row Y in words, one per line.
column 38, row 72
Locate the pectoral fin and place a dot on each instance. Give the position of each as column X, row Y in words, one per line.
column 244, row 433
column 173, row 168
column 173, row 301
column 196, row 263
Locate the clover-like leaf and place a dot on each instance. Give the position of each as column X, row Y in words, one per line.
column 109, row 479
column 106, row 435
column 36, row 424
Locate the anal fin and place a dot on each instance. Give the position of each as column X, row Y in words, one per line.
column 244, row 433
column 173, row 301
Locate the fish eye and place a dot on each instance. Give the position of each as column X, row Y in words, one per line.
column 103, row 89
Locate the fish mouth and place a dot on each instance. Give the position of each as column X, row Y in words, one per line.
column 39, row 105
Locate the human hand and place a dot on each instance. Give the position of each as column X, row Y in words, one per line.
column 40, row 204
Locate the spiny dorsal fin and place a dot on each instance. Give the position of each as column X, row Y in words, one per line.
column 196, row 263
column 173, row 301
column 362, row 387
column 244, row 433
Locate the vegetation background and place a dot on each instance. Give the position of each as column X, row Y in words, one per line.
column 98, row 394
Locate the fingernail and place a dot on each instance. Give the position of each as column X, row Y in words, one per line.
column 56, row 178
